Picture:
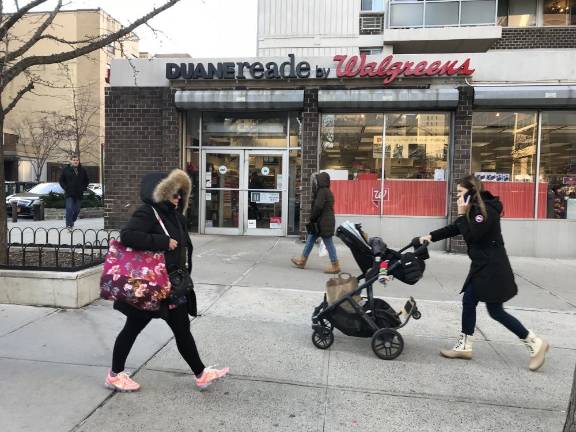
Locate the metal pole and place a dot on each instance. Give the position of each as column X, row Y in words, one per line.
column 537, row 179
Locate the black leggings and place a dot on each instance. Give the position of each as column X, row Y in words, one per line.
column 179, row 324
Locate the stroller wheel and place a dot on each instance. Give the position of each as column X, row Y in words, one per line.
column 387, row 343
column 323, row 338
column 416, row 314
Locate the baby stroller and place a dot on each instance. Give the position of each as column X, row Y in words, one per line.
column 372, row 317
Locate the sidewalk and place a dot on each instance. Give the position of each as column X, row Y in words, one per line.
column 256, row 319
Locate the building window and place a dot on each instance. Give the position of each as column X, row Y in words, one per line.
column 517, row 13
column 441, row 13
column 372, row 5
column 557, row 187
column 559, row 12
column 371, row 51
column 407, row 176
column 244, row 129
column 504, row 157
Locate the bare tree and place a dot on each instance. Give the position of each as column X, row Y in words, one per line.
column 16, row 61
column 570, row 424
column 40, row 141
column 79, row 135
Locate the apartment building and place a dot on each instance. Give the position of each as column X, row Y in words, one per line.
column 395, row 99
column 74, row 89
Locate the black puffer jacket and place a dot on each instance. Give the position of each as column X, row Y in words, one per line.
column 322, row 212
column 144, row 232
column 490, row 273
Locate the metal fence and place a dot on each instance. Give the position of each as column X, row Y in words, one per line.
column 56, row 249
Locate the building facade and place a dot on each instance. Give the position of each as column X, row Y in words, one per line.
column 395, row 129
column 70, row 92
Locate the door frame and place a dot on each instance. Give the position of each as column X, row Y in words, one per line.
column 243, row 191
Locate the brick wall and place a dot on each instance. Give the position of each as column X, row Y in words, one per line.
column 141, row 137
column 461, row 154
column 310, row 121
column 536, row 37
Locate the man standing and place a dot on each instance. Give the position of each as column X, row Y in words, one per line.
column 74, row 181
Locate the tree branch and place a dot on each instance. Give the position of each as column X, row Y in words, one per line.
column 27, row 62
column 16, row 16
column 35, row 37
column 18, row 96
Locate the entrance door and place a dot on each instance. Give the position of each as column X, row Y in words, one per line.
column 267, row 205
column 222, row 182
column 244, row 192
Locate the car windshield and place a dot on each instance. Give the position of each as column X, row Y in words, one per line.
column 46, row 188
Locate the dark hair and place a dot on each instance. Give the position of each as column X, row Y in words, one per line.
column 475, row 188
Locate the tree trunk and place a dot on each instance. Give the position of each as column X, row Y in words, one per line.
column 570, row 425
column 3, row 220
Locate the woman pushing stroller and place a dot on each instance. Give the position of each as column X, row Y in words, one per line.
column 490, row 278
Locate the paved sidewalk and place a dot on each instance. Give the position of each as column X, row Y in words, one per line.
column 256, row 319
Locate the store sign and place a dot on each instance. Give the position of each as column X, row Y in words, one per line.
column 345, row 67
column 377, row 196
column 356, row 66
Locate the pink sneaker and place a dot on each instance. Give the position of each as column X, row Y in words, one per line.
column 209, row 376
column 121, row 382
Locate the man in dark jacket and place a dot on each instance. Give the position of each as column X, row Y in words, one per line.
column 74, row 180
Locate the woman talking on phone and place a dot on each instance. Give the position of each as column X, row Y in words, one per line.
column 490, row 278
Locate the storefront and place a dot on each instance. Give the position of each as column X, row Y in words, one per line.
column 393, row 132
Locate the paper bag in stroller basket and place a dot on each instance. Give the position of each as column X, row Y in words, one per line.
column 340, row 286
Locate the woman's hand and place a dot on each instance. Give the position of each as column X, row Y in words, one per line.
column 173, row 244
column 426, row 238
column 462, row 205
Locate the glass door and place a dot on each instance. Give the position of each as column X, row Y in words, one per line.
column 221, row 192
column 266, row 193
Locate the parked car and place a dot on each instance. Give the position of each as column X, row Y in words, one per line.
column 14, row 187
column 25, row 200
column 96, row 188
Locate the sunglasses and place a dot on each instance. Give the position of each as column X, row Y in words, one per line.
column 176, row 196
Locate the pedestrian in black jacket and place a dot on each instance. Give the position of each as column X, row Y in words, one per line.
column 168, row 195
column 74, row 180
column 490, row 278
column 322, row 223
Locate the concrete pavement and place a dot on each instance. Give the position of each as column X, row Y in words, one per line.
column 256, row 319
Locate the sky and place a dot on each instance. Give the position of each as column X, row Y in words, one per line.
column 201, row 28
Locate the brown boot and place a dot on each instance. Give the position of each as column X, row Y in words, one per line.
column 333, row 268
column 299, row 262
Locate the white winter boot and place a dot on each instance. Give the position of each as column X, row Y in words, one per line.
column 462, row 349
column 537, row 347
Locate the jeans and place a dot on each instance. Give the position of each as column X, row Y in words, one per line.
column 311, row 240
column 72, row 210
column 179, row 324
column 496, row 312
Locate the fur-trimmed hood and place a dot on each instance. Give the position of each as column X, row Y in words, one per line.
column 158, row 187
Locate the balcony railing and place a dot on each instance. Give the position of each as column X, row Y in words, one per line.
column 441, row 13
column 371, row 23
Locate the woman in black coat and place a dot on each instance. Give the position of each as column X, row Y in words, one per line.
column 322, row 223
column 167, row 195
column 490, row 278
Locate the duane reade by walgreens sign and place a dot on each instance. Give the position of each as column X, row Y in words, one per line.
column 388, row 69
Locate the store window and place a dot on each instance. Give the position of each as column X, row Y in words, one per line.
column 559, row 12
column 517, row 13
column 504, row 146
column 408, row 177
column 295, row 130
column 558, row 165
column 244, row 129
column 193, row 170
